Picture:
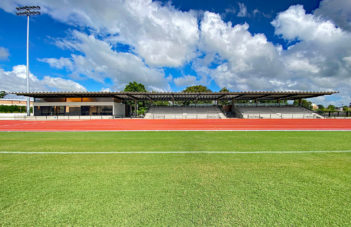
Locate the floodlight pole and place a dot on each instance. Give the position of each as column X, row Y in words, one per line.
column 28, row 11
column 27, row 70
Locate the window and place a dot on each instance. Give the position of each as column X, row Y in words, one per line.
column 50, row 99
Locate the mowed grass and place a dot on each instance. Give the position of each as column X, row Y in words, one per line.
column 174, row 141
column 176, row 189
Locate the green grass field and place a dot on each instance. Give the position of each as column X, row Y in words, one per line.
column 312, row 189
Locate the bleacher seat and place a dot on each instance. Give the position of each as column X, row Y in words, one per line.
column 184, row 112
column 284, row 112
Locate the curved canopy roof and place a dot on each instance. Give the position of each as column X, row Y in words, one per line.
column 184, row 96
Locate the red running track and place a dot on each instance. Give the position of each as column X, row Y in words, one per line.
column 198, row 124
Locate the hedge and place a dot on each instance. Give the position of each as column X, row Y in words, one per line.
column 13, row 109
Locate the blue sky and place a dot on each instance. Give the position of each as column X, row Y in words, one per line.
column 168, row 45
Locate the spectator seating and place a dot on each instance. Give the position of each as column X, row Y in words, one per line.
column 184, row 112
column 276, row 112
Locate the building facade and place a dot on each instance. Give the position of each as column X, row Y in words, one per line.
column 78, row 106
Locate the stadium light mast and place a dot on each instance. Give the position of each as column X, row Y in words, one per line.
column 28, row 11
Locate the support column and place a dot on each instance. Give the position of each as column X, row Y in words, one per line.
column 233, row 104
column 135, row 108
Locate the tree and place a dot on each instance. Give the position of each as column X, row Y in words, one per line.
column 224, row 102
column 304, row 103
column 2, row 94
column 321, row 107
column 161, row 103
column 138, row 108
column 196, row 88
column 224, row 90
column 331, row 108
column 135, row 87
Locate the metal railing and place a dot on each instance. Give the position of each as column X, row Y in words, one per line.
column 185, row 116
column 282, row 116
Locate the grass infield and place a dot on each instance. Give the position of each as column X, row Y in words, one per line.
column 175, row 189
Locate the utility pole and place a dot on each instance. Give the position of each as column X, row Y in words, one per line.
column 28, row 11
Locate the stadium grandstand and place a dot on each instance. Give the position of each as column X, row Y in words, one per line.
column 175, row 105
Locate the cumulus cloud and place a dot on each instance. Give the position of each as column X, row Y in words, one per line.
column 185, row 81
column 15, row 80
column 338, row 11
column 161, row 35
column 4, row 53
column 246, row 58
column 322, row 52
column 58, row 63
column 99, row 61
column 294, row 23
column 319, row 60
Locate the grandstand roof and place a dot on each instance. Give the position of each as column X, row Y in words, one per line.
column 184, row 96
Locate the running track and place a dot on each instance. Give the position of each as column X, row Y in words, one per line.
column 203, row 124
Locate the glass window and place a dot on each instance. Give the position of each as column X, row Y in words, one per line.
column 59, row 110
column 55, row 99
column 73, row 110
column 85, row 110
column 106, row 110
column 37, row 111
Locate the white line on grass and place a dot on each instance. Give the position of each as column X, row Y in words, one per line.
column 193, row 130
column 173, row 152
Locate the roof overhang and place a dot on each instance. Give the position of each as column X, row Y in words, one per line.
column 184, row 96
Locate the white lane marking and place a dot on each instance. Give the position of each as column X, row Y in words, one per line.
column 190, row 130
column 174, row 152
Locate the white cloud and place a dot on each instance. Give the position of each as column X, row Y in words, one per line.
column 321, row 51
column 186, row 81
column 246, row 58
column 15, row 80
column 294, row 23
column 339, row 11
column 59, row 84
column 4, row 53
column 297, row 62
column 8, row 6
column 106, row 90
column 161, row 35
column 59, row 63
column 242, row 10
column 98, row 61
column 320, row 60
column 347, row 60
